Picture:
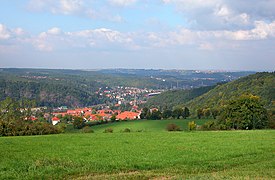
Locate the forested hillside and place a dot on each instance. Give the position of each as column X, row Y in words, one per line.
column 50, row 90
column 48, row 94
column 259, row 84
column 172, row 98
column 56, row 87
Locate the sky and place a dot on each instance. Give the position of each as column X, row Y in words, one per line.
column 150, row 34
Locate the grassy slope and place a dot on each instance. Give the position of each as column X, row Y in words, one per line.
column 214, row 155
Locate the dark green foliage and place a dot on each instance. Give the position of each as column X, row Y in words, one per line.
column 199, row 113
column 167, row 113
column 78, row 122
column 206, row 112
column 173, row 98
column 15, row 120
column 155, row 115
column 10, row 110
column 259, row 84
column 127, row 130
column 113, row 118
column 271, row 113
column 27, row 128
column 215, row 112
column 173, row 127
column 145, row 113
column 61, row 127
column 209, row 125
column 245, row 112
column 177, row 112
column 109, row 130
column 87, row 129
column 186, row 112
column 67, row 118
column 51, row 89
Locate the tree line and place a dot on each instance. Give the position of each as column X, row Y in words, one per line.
column 244, row 112
column 155, row 114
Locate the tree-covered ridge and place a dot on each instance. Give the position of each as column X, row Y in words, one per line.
column 48, row 94
column 50, row 89
column 259, row 84
column 173, row 98
column 140, row 78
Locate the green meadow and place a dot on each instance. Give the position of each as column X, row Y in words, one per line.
column 152, row 153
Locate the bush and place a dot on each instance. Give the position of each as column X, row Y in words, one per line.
column 61, row 127
column 173, row 127
column 87, row 129
column 209, row 125
column 192, row 126
column 127, row 130
column 26, row 128
column 108, row 130
column 78, row 123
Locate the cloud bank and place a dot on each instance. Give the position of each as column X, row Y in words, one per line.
column 181, row 31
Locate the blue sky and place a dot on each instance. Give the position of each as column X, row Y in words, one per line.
column 166, row 34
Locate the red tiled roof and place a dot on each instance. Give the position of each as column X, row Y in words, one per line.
column 33, row 118
column 87, row 114
column 55, row 119
column 62, row 114
column 127, row 115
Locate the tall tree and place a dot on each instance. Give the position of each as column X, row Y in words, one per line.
column 177, row 112
column 245, row 112
column 186, row 112
column 167, row 113
column 199, row 113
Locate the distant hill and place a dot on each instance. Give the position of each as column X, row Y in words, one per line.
column 49, row 89
column 260, row 84
column 172, row 98
column 56, row 87
column 175, row 78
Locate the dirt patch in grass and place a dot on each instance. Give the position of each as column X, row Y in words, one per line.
column 125, row 175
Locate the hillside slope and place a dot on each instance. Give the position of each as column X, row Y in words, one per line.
column 260, row 84
column 172, row 98
column 50, row 90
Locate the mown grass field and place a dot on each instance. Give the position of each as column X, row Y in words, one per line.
column 140, row 155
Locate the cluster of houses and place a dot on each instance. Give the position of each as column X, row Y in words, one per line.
column 89, row 114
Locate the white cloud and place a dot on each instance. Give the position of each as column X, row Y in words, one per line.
column 19, row 31
column 106, row 39
column 85, row 9
column 210, row 39
column 261, row 31
column 224, row 14
column 102, row 38
column 70, row 6
column 4, row 32
column 54, row 31
column 122, row 2
column 56, row 6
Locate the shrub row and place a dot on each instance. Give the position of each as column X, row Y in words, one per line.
column 26, row 128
